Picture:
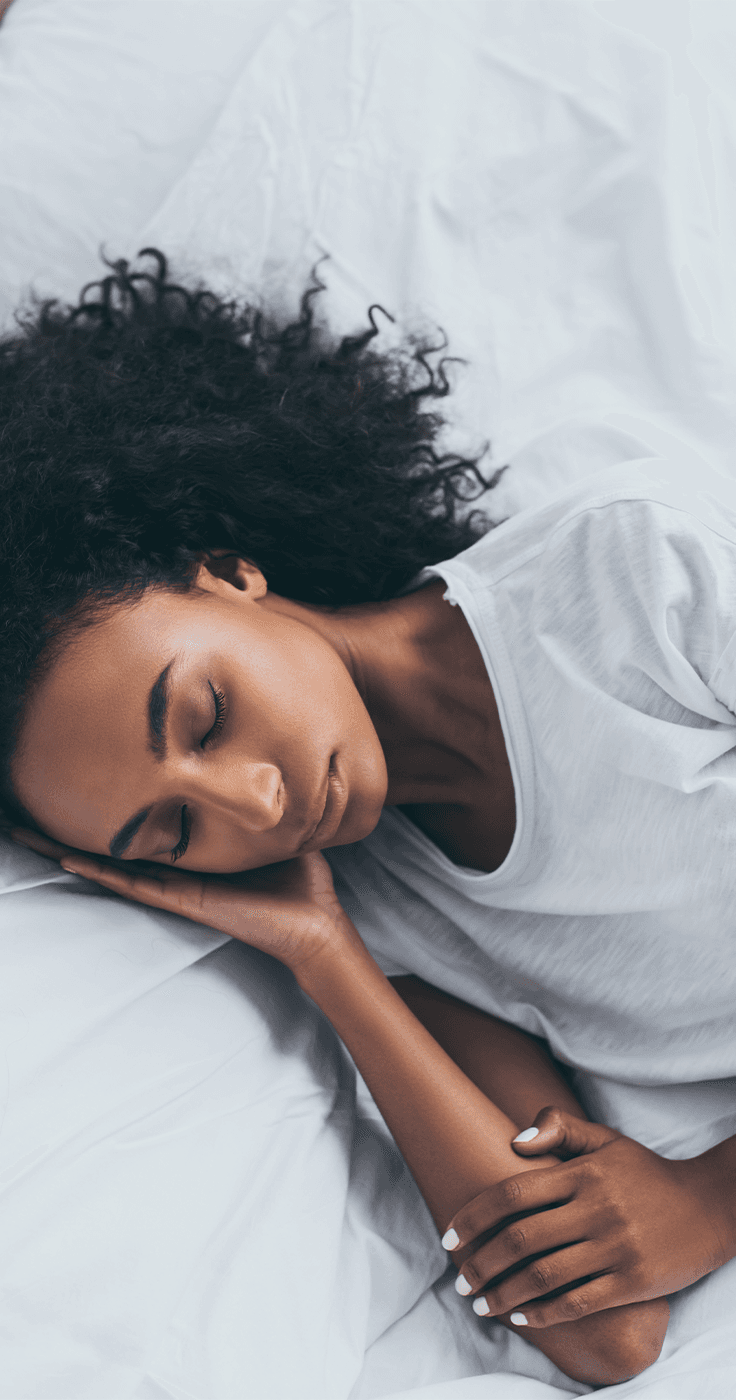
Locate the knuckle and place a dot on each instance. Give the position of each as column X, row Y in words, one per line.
column 573, row 1305
column 509, row 1193
column 541, row 1276
column 611, row 1212
column 516, row 1240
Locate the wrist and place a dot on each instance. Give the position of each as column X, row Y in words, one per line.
column 712, row 1178
column 337, row 947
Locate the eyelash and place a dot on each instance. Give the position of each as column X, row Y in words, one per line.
column 186, row 821
column 186, row 826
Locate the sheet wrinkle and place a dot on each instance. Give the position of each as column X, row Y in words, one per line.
column 30, row 884
column 86, row 1137
column 105, row 1015
column 93, row 1135
column 361, row 78
column 269, row 141
column 583, row 109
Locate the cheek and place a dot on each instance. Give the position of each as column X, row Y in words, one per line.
column 331, row 709
column 296, row 702
column 307, row 690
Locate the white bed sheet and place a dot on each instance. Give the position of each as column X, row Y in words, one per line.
column 193, row 1206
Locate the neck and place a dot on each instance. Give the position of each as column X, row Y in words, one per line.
column 419, row 672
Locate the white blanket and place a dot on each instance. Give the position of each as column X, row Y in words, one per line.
column 194, row 1205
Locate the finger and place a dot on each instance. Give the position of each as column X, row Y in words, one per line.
column 46, row 846
column 563, row 1269
column 151, row 888
column 516, row 1195
column 563, row 1133
column 37, row 842
column 160, row 887
column 590, row 1295
column 523, row 1239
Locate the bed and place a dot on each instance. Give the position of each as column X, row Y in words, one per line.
column 198, row 1197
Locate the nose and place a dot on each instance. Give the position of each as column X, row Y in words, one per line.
column 246, row 795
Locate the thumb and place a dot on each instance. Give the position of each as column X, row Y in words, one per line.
column 563, row 1134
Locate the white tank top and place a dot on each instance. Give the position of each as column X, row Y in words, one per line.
column 607, row 622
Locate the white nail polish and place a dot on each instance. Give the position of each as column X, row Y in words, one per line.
column 451, row 1240
column 518, row 1320
column 481, row 1307
column 527, row 1135
column 462, row 1286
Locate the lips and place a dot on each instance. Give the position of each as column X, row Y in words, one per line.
column 324, row 819
column 313, row 830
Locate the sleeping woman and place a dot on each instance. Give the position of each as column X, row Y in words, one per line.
column 229, row 646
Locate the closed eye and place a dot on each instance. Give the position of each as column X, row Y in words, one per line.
column 220, row 715
column 186, row 826
column 186, row 820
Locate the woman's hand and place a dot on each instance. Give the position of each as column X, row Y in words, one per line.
column 289, row 909
column 616, row 1224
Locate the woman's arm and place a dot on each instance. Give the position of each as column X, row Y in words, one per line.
column 513, row 1069
column 455, row 1140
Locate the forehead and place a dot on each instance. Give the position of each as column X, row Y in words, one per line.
column 87, row 716
column 112, row 646
column 123, row 634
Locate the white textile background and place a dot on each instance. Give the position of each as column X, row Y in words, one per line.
column 193, row 1204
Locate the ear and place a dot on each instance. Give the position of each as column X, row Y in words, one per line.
column 230, row 569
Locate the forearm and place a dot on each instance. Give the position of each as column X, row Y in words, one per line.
column 513, row 1069
column 455, row 1140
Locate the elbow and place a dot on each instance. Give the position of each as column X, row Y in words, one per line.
column 643, row 1340
column 629, row 1341
column 607, row 1348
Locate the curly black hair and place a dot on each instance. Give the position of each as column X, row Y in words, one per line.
column 152, row 423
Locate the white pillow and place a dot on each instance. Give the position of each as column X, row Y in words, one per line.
column 190, row 1196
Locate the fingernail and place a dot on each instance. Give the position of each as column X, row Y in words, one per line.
column 481, row 1307
column 518, row 1320
column 527, row 1135
column 451, row 1240
column 66, row 865
column 463, row 1286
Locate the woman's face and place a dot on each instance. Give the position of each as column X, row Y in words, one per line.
column 218, row 720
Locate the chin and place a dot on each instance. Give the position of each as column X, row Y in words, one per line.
column 359, row 831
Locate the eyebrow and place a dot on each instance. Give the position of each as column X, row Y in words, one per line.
column 158, row 701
